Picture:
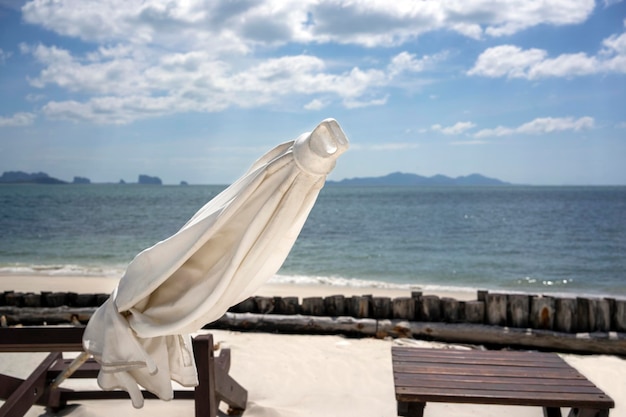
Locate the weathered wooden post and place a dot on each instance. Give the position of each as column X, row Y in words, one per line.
column 542, row 312
column 381, row 308
column 450, row 310
column 601, row 314
column 565, row 319
column 518, row 310
column 335, row 305
column 496, row 305
column 32, row 300
column 584, row 308
column 619, row 316
column 287, row 305
column 475, row 312
column 14, row 299
column 403, row 308
column 246, row 306
column 359, row 306
column 431, row 308
column 313, row 306
column 264, row 305
column 56, row 299
column 100, row 299
column 417, row 297
column 84, row 300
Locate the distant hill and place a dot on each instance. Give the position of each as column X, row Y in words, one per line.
column 19, row 177
column 403, row 179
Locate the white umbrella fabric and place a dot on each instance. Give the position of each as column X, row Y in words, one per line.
column 231, row 246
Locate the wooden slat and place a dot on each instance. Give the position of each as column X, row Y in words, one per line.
column 478, row 379
column 503, row 397
column 486, row 371
column 41, row 339
column 527, row 385
column 479, row 360
column 472, row 354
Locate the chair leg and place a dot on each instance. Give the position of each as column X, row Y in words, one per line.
column 411, row 409
column 33, row 388
column 552, row 412
column 204, row 394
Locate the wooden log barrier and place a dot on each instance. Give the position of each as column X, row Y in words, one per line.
column 569, row 315
column 495, row 336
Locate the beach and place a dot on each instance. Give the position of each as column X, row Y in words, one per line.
column 302, row 375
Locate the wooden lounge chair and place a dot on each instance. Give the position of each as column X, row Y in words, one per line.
column 215, row 384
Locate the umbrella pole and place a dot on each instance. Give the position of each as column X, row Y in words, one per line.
column 73, row 367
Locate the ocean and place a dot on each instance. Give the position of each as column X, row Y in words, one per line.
column 566, row 240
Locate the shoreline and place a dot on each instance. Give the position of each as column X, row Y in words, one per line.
column 33, row 282
column 105, row 284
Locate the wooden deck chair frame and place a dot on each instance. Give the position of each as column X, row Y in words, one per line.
column 215, row 384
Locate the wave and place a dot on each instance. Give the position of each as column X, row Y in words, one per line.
column 361, row 283
column 61, row 270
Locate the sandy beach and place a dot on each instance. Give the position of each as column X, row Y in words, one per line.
column 302, row 375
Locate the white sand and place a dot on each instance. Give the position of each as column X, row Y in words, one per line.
column 297, row 376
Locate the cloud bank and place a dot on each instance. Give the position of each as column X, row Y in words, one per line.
column 153, row 58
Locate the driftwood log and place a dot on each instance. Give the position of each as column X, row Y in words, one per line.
column 599, row 342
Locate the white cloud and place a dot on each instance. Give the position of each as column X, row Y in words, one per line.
column 469, row 143
column 207, row 56
column 539, row 126
column 315, row 104
column 234, row 26
column 514, row 62
column 353, row 104
column 393, row 146
column 121, row 80
column 4, row 56
column 456, row 129
column 18, row 119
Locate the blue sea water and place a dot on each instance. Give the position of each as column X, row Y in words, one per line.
column 527, row 239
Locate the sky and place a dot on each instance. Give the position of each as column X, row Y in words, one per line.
column 526, row 91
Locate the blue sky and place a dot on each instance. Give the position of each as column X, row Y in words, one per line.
column 526, row 91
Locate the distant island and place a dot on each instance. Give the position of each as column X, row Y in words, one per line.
column 403, row 179
column 393, row 179
column 19, row 177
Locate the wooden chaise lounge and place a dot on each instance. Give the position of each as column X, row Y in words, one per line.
column 493, row 377
column 215, row 383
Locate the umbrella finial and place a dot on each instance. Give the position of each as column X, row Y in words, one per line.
column 317, row 152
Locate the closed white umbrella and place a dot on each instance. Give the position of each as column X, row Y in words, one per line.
column 231, row 246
